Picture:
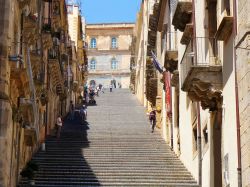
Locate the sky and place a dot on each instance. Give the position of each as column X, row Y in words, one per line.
column 110, row 11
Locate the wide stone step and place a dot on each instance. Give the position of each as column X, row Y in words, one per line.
column 106, row 169
column 100, row 160
column 110, row 180
column 95, row 184
column 109, row 162
column 114, row 174
column 110, row 172
column 117, row 179
column 114, row 168
column 108, row 177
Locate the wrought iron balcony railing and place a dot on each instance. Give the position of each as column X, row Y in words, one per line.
column 205, row 57
column 53, row 53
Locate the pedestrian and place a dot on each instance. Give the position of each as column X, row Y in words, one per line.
column 110, row 87
column 83, row 113
column 87, row 98
column 59, row 126
column 97, row 91
column 71, row 110
column 152, row 119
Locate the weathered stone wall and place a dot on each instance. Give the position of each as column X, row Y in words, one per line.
column 5, row 108
column 243, row 77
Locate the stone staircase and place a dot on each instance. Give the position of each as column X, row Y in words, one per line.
column 111, row 149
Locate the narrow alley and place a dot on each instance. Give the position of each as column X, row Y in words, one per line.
column 114, row 148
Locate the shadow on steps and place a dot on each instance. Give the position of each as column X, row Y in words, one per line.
column 63, row 163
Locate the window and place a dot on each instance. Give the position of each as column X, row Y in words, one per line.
column 113, row 42
column 93, row 64
column 113, row 63
column 93, row 43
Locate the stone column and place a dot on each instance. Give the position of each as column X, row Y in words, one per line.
column 5, row 107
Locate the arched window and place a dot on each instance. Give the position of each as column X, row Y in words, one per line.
column 93, row 43
column 114, row 64
column 93, row 64
column 113, row 42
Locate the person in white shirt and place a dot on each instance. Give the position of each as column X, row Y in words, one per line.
column 59, row 126
column 83, row 114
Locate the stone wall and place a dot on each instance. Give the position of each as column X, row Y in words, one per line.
column 5, row 109
column 243, row 77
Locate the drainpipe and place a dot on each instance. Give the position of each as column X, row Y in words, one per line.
column 40, row 24
column 237, row 98
column 32, row 89
column 198, row 104
column 199, row 145
column 170, row 110
column 19, row 128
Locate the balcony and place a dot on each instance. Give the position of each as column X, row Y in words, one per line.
column 56, row 15
column 30, row 136
column 30, row 29
column 187, row 34
column 225, row 28
column 202, row 78
column 156, row 10
column 151, row 90
column 46, row 33
column 151, row 38
column 171, row 55
column 17, row 68
column 55, row 69
column 153, row 23
column 175, row 79
column 182, row 14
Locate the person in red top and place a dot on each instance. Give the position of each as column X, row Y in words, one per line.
column 152, row 119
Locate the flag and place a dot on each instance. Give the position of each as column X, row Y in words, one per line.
column 167, row 78
column 156, row 63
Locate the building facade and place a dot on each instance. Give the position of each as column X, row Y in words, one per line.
column 36, row 53
column 109, row 54
column 242, row 48
column 76, row 29
column 201, row 97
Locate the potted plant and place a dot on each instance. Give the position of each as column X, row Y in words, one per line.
column 29, row 172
